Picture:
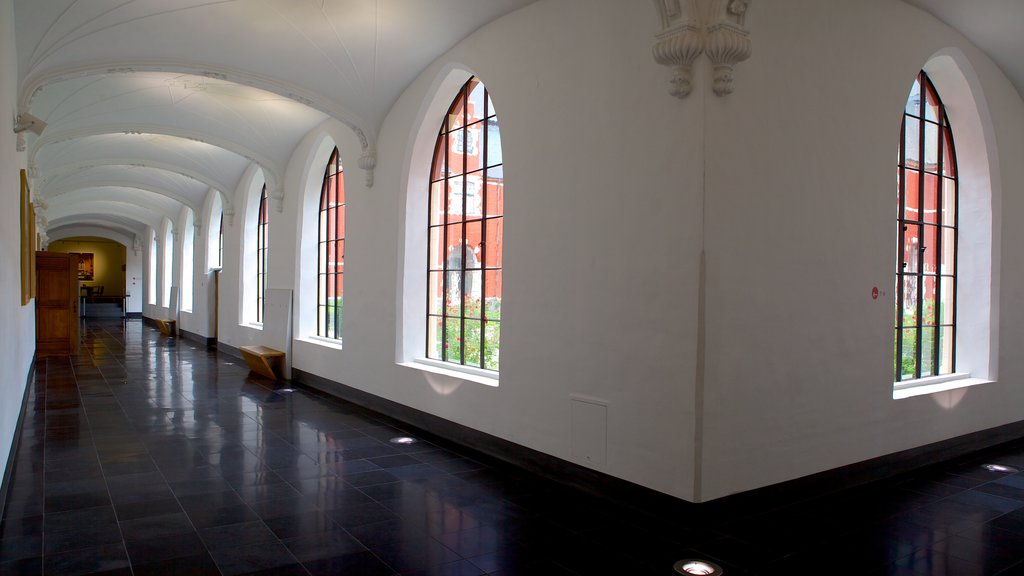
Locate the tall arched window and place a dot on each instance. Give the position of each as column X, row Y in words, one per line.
column 262, row 241
column 465, row 234
column 331, row 251
column 187, row 260
column 926, row 263
column 151, row 293
column 168, row 268
column 215, row 233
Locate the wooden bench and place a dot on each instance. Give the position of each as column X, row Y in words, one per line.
column 167, row 326
column 263, row 360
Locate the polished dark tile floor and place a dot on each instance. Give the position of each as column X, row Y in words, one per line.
column 149, row 455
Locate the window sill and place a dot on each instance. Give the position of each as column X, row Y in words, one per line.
column 485, row 377
column 934, row 384
column 253, row 325
column 321, row 341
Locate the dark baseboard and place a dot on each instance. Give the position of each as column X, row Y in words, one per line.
column 229, row 350
column 205, row 341
column 13, row 456
column 133, row 315
column 634, row 496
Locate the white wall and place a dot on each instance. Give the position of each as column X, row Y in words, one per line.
column 801, row 227
column 601, row 244
column 17, row 340
column 614, row 189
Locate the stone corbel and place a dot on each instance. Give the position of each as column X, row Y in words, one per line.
column 685, row 35
column 368, row 159
column 727, row 42
column 136, row 244
column 679, row 43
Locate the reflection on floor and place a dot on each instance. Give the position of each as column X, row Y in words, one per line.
column 147, row 455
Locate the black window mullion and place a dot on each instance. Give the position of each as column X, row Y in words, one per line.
column 901, row 264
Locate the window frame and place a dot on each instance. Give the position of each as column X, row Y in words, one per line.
column 262, row 242
column 439, row 218
column 914, row 268
column 333, row 173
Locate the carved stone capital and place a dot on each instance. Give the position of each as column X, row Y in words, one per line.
column 727, row 45
column 368, row 161
column 690, row 28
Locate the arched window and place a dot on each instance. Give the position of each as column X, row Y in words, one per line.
column 187, row 260
column 464, row 234
column 168, row 268
column 331, row 251
column 215, row 233
column 926, row 263
column 151, row 293
column 262, row 241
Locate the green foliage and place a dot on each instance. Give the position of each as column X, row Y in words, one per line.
column 462, row 342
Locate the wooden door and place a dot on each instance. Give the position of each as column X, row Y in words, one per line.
column 57, row 330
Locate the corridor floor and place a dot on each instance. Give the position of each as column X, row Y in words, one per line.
column 151, row 455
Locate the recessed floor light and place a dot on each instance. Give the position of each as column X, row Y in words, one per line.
column 285, row 390
column 402, row 440
column 702, row 567
column 1002, row 468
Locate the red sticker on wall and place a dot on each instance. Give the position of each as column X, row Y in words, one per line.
column 874, row 293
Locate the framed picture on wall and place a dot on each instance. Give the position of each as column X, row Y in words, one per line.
column 28, row 242
column 85, row 267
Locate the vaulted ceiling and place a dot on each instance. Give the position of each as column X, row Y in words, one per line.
column 150, row 104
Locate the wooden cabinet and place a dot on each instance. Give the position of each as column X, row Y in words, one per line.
column 57, row 330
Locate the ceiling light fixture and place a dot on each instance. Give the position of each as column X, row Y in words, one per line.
column 698, row 567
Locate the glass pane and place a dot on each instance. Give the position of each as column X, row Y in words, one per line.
column 321, row 320
column 476, row 99
column 322, row 257
column 949, row 202
column 490, row 106
column 471, row 343
column 339, row 256
column 492, row 246
column 341, row 221
column 453, row 293
column 931, row 106
column 931, row 198
column 493, row 143
column 472, row 300
column 492, row 293
column 931, row 146
column 454, row 249
column 911, row 211
column 438, row 171
column 474, row 239
column 456, row 152
column 495, row 195
column 946, row 310
column 474, row 194
column 434, row 339
column 914, row 100
column 909, row 301
column 474, row 147
column 456, row 115
column 927, row 352
column 455, row 190
column 435, row 258
column 492, row 307
column 435, row 289
column 911, row 142
column 908, row 354
column 453, row 341
column 930, row 250
column 946, row 343
column 948, row 251
column 911, row 249
column 436, row 202
column 492, row 341
column 928, row 304
column 948, row 162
